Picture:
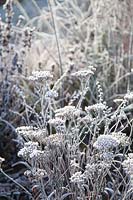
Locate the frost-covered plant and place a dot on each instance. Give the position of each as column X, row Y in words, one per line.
column 74, row 144
column 78, row 150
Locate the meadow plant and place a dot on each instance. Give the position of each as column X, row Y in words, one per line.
column 73, row 144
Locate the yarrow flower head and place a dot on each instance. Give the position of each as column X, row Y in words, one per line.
column 106, row 142
column 51, row 95
column 41, row 75
column 67, row 112
column 107, row 156
column 25, row 130
column 129, row 96
column 53, row 140
column 31, row 133
column 84, row 74
column 123, row 139
column 95, row 107
column 58, row 123
column 36, row 173
column 27, row 149
column 90, row 170
column 128, row 165
column 78, row 178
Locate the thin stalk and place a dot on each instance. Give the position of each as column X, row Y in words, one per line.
column 1, row 170
column 56, row 37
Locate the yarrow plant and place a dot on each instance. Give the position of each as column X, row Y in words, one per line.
column 73, row 144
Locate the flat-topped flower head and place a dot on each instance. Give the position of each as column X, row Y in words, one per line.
column 53, row 140
column 51, row 94
column 95, row 107
column 84, row 74
column 67, row 112
column 27, row 149
column 123, row 139
column 58, row 123
column 128, row 166
column 41, row 75
column 24, row 130
column 129, row 96
column 78, row 178
column 31, row 133
column 106, row 142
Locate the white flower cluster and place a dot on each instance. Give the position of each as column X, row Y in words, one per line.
column 95, row 107
column 36, row 154
column 37, row 173
column 22, row 130
column 31, row 133
column 77, row 178
column 107, row 157
column 123, row 139
column 67, row 112
column 128, row 165
column 84, row 74
column 40, row 75
column 106, row 142
column 129, row 96
column 58, row 123
column 90, row 170
column 28, row 149
column 51, row 95
column 53, row 140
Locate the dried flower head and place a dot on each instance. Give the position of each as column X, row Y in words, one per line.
column 78, row 178
column 58, row 123
column 128, row 165
column 129, row 96
column 53, row 140
column 27, row 149
column 41, row 75
column 31, row 133
column 83, row 74
column 67, row 112
column 123, row 139
column 106, row 142
column 95, row 107
column 51, row 95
